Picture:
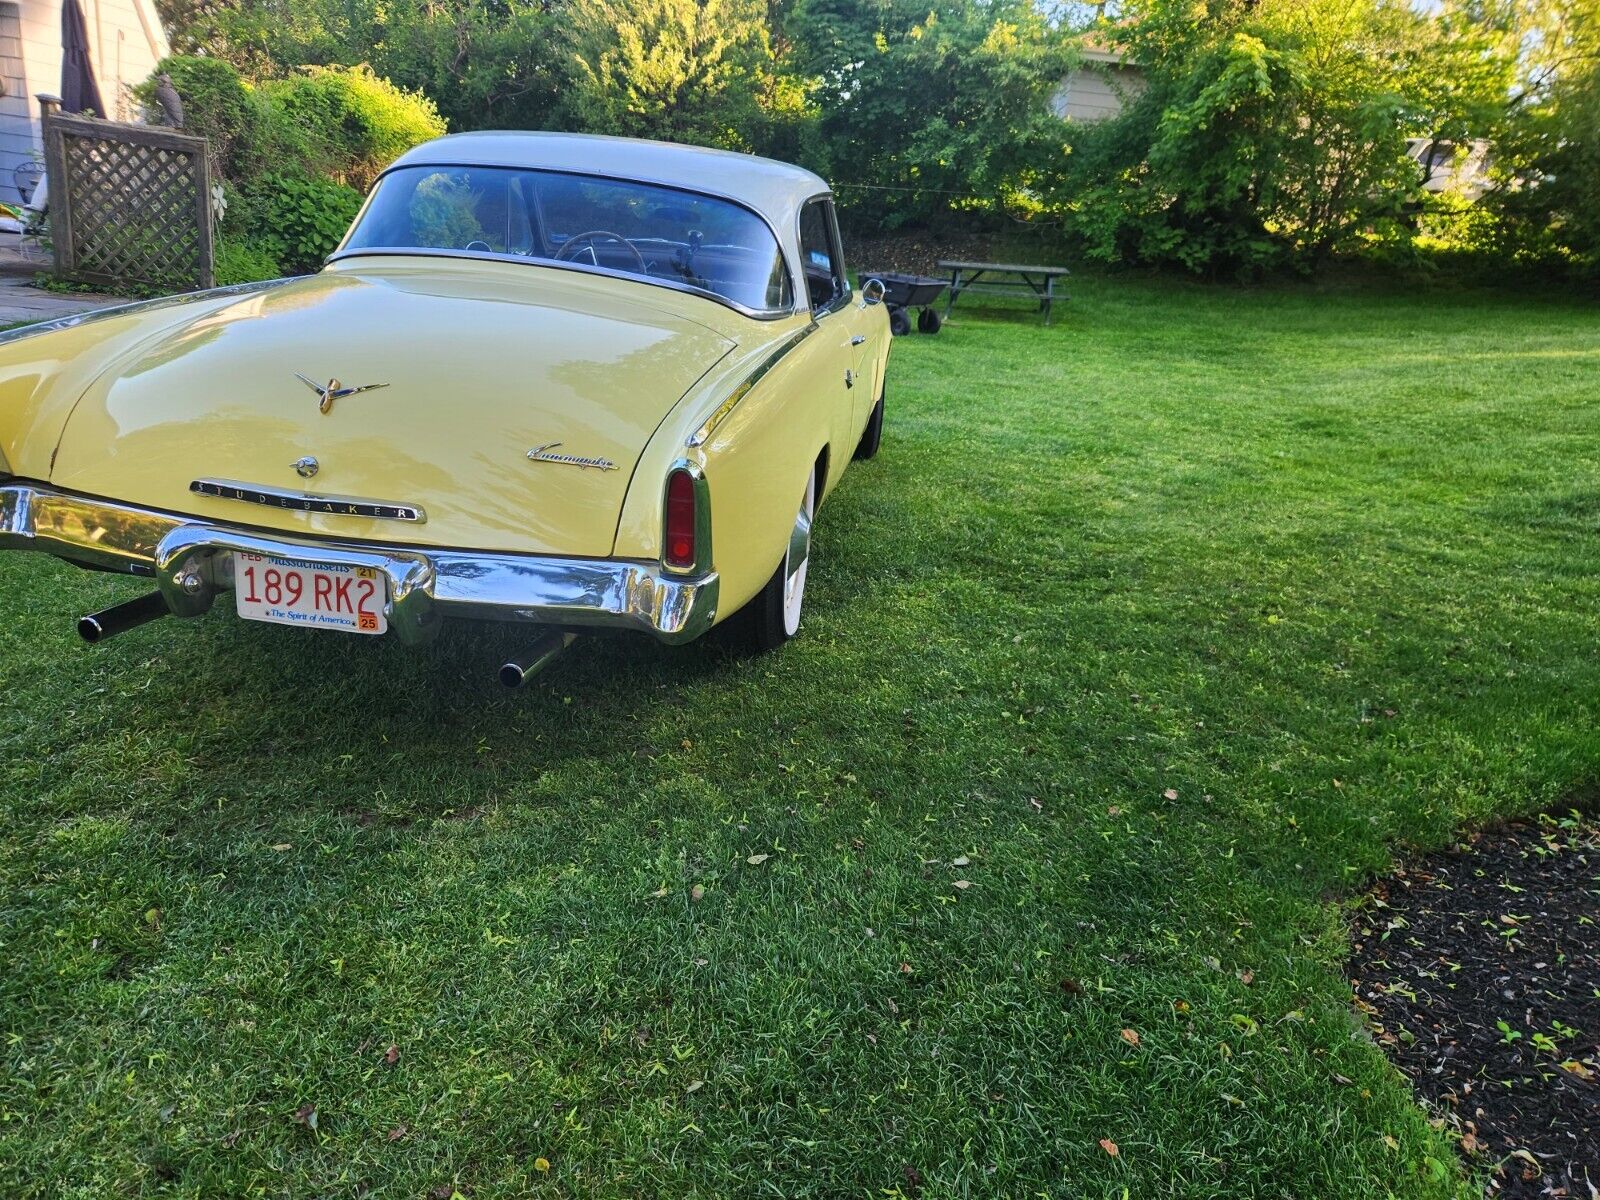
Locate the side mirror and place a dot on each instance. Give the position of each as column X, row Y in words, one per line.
column 873, row 291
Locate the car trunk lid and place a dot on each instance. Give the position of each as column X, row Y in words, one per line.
column 465, row 367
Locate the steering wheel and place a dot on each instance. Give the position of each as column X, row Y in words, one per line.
column 573, row 245
column 479, row 246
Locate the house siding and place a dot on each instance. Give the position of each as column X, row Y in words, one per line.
column 1096, row 91
column 125, row 43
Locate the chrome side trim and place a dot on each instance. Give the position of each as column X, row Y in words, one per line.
column 192, row 562
column 344, row 506
column 709, row 425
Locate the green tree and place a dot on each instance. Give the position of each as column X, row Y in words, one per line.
column 1547, row 153
column 485, row 63
column 354, row 122
column 926, row 106
column 681, row 70
column 1273, row 132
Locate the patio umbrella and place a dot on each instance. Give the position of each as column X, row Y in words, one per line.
column 79, row 91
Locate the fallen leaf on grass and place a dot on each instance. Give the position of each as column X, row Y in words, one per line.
column 541, row 1164
column 1170, row 794
column 1113, row 811
column 755, row 860
column 697, row 893
column 960, row 860
column 694, row 1087
column 962, row 884
column 659, row 894
column 282, row 846
column 1131, row 1036
column 306, row 1115
column 905, row 968
column 392, row 1054
column 230, row 1139
column 1109, row 1147
column 398, row 1132
column 1470, row 1143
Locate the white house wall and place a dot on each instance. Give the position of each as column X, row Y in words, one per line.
column 1096, row 91
column 125, row 43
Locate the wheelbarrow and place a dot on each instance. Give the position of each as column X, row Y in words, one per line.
column 905, row 292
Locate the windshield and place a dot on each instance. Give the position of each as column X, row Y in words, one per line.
column 655, row 233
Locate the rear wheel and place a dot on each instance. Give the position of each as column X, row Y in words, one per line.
column 773, row 615
column 899, row 322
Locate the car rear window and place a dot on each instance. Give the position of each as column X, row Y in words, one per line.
column 657, row 234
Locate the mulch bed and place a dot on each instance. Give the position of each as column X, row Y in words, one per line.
column 1478, row 971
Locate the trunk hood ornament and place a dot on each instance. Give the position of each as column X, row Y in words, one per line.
column 334, row 390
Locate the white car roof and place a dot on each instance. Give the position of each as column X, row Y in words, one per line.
column 774, row 190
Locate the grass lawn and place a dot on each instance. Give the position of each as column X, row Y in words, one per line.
column 1172, row 621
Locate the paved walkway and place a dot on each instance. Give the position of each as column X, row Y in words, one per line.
column 21, row 302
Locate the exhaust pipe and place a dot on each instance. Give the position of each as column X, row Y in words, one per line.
column 541, row 654
column 120, row 618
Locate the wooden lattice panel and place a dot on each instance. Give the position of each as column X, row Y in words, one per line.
column 129, row 204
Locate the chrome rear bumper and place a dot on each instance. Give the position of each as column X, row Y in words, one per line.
column 191, row 562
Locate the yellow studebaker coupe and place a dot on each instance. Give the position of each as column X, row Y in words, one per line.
column 572, row 381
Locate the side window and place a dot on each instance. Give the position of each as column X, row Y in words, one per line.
column 819, row 254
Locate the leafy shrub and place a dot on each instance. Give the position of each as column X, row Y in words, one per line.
column 277, row 145
column 216, row 104
column 247, row 135
column 355, row 123
column 245, row 261
column 301, row 218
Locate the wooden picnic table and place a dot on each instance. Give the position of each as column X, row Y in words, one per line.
column 1004, row 279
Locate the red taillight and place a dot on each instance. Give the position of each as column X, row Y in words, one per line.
column 680, row 547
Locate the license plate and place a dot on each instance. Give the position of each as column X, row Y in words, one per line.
column 293, row 591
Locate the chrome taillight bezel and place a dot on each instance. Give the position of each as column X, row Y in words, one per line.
column 700, row 561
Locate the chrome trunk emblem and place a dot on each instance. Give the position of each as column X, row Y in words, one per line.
column 310, row 502
column 306, row 467
column 334, row 390
column 542, row 454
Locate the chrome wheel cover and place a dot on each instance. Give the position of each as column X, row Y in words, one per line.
column 796, row 558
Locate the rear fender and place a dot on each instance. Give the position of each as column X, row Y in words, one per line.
column 756, row 454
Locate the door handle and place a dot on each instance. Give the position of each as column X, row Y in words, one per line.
column 858, row 339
